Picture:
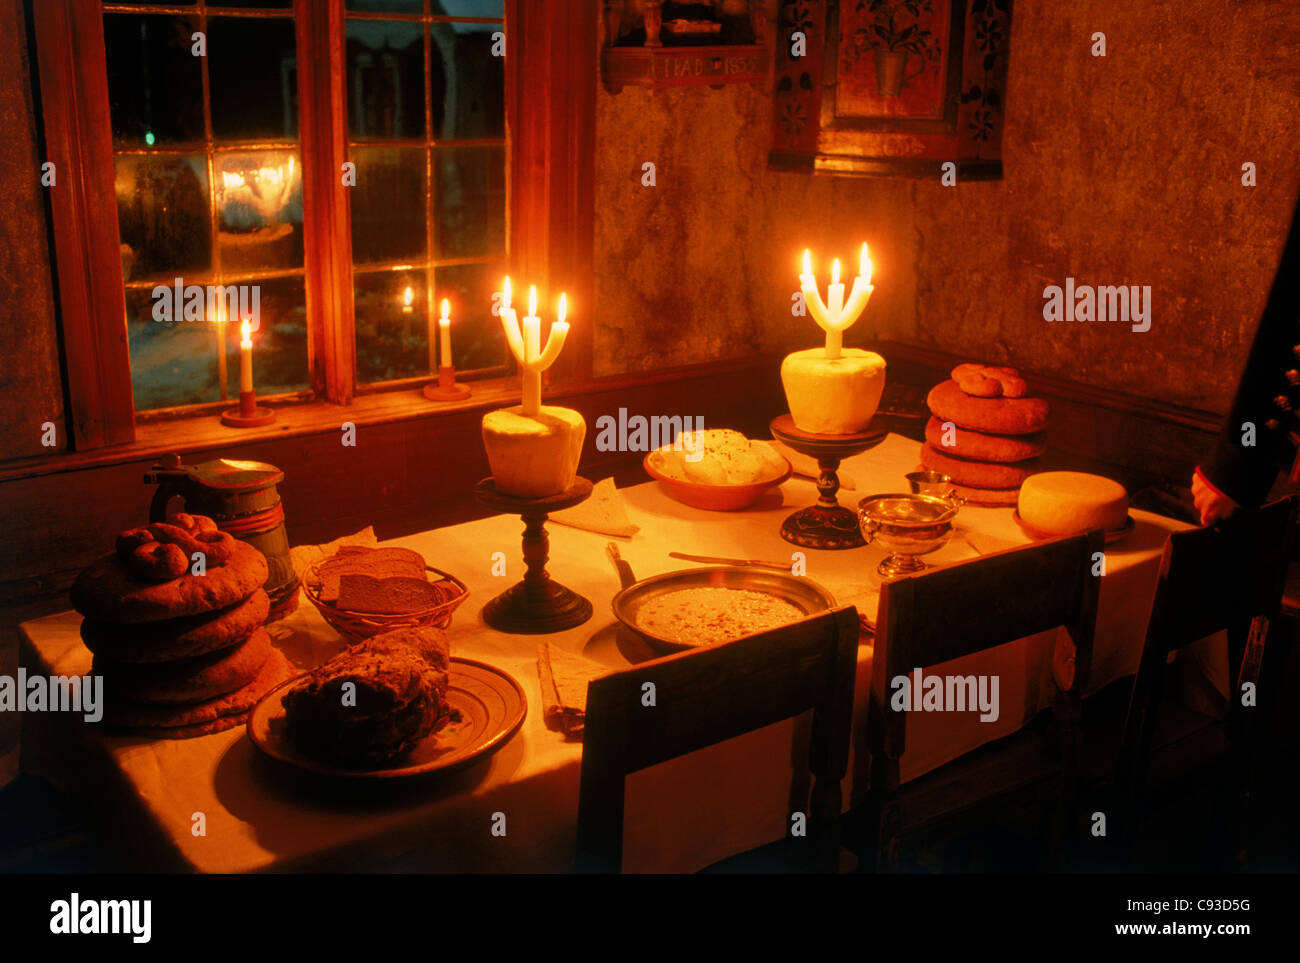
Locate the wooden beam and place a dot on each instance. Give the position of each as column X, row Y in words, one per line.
column 83, row 202
column 327, row 224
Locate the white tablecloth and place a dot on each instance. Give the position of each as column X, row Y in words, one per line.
column 681, row 815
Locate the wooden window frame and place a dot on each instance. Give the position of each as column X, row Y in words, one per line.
column 551, row 76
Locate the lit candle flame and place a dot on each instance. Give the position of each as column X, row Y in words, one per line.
column 807, row 261
column 408, row 296
column 864, row 266
column 835, row 271
column 532, row 300
column 246, row 334
column 563, row 308
column 506, row 291
column 446, row 310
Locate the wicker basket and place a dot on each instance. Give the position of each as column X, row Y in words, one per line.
column 358, row 626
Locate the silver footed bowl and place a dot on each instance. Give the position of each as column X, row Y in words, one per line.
column 908, row 525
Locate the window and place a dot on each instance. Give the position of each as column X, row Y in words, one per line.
column 426, row 131
column 231, row 169
column 208, row 179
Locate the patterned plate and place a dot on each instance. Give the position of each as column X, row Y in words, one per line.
column 491, row 705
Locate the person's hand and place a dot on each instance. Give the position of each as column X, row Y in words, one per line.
column 1213, row 505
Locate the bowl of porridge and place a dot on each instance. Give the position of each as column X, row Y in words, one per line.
column 715, row 604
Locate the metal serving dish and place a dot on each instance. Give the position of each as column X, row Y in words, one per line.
column 802, row 593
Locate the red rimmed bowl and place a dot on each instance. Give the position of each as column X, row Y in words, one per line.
column 714, row 498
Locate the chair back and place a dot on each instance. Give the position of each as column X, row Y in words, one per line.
column 710, row 695
column 958, row 610
column 1211, row 580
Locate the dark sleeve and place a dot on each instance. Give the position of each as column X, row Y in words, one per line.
column 1268, row 393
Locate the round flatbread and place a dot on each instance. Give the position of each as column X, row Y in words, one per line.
column 977, row 474
column 989, row 497
column 999, row 416
column 189, row 680
column 106, row 592
column 199, row 718
column 173, row 639
column 982, row 446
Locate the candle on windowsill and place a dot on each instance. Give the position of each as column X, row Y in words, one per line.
column 444, row 335
column 245, row 356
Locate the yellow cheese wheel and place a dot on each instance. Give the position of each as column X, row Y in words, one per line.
column 533, row 456
column 833, row 396
column 1065, row 502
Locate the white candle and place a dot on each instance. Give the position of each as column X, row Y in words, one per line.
column 835, row 316
column 526, row 345
column 555, row 340
column 245, row 356
column 444, row 335
column 532, row 398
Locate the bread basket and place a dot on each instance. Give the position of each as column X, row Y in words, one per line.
column 359, row 626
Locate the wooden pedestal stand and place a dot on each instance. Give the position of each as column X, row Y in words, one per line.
column 537, row 604
column 826, row 525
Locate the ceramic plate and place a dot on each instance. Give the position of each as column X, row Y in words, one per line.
column 491, row 705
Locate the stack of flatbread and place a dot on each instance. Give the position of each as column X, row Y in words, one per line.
column 180, row 657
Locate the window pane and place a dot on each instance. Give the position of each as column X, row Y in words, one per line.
column 277, row 4
column 162, row 215
column 172, row 362
column 388, row 204
column 466, row 8
column 259, row 210
column 385, row 79
column 177, row 362
column 155, row 89
column 253, row 78
column 280, row 343
column 392, row 325
column 386, row 6
column 467, row 83
column 477, row 340
column 469, row 198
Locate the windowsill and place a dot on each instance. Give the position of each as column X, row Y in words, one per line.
column 204, row 432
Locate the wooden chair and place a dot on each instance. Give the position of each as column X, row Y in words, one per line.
column 951, row 612
column 706, row 696
column 1211, row 580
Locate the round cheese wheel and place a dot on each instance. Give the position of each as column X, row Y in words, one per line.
column 1066, row 502
column 833, row 396
column 533, row 456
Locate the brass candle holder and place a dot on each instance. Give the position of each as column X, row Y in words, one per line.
column 248, row 414
column 446, row 388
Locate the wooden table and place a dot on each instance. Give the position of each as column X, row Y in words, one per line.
column 681, row 815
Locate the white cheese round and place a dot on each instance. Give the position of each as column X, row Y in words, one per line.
column 833, row 396
column 1065, row 502
column 533, row 457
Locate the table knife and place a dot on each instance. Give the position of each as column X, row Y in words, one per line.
column 624, row 570
column 711, row 560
